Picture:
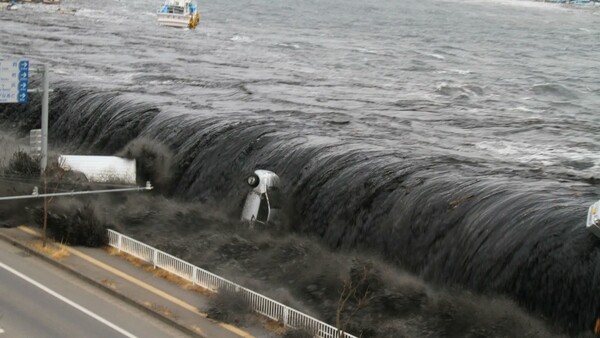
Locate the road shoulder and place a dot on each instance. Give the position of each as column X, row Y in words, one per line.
column 183, row 308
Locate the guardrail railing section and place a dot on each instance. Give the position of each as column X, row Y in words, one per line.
column 261, row 304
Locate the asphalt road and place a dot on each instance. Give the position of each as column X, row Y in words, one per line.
column 40, row 300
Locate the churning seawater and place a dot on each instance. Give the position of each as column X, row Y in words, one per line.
column 458, row 139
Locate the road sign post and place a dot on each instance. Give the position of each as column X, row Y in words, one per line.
column 14, row 86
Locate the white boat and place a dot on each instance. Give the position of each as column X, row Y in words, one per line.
column 179, row 13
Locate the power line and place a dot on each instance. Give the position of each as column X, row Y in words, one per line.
column 72, row 193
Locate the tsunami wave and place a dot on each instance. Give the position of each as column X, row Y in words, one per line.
column 452, row 222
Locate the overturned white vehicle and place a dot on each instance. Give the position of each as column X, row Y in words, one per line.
column 262, row 204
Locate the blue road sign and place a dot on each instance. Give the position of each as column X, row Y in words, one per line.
column 14, row 81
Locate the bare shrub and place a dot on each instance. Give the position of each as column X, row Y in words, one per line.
column 229, row 307
column 22, row 164
column 298, row 333
column 75, row 223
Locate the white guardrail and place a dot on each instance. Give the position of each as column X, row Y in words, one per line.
column 259, row 303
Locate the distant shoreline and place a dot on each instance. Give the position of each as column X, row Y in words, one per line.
column 572, row 2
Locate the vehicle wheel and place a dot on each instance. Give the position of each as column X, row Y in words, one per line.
column 253, row 180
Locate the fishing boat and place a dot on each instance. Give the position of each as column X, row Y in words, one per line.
column 179, row 13
column 51, row 2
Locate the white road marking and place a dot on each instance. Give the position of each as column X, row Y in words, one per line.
column 1, row 331
column 68, row 301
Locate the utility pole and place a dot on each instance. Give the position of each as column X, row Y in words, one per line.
column 44, row 152
column 45, row 90
column 45, row 99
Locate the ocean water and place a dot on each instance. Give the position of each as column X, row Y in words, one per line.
column 457, row 139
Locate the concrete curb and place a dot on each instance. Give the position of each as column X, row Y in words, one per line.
column 101, row 286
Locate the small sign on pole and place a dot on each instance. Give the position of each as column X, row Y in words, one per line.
column 35, row 142
column 14, row 81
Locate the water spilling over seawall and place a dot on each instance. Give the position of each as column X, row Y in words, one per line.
column 452, row 221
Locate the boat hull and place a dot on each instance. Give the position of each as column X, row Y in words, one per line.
column 178, row 20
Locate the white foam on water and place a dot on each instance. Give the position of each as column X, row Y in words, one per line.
column 537, row 154
column 517, row 3
column 241, row 38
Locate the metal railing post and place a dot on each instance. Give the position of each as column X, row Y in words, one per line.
column 119, row 239
column 285, row 316
column 155, row 257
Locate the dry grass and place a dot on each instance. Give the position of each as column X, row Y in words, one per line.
column 54, row 251
column 133, row 260
column 158, row 272
column 274, row 326
column 163, row 310
column 180, row 281
column 109, row 282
